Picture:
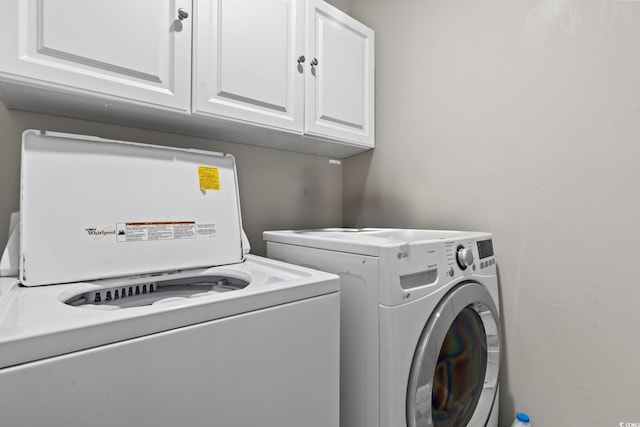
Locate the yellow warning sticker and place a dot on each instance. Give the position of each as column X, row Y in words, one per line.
column 209, row 178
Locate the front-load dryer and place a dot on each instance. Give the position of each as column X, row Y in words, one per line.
column 420, row 328
column 134, row 303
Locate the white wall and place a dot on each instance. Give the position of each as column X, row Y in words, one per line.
column 522, row 118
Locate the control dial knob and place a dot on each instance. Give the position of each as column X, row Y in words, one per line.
column 464, row 256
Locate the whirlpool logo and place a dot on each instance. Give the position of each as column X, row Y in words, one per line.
column 98, row 234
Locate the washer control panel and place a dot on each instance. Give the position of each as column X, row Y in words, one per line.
column 469, row 256
column 485, row 253
column 464, row 257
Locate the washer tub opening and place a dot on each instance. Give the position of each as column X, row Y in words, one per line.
column 141, row 294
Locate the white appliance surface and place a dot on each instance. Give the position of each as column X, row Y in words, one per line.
column 137, row 302
column 35, row 323
column 394, row 283
column 365, row 241
column 268, row 354
column 94, row 208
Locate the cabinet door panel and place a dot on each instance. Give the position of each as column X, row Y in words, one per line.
column 246, row 61
column 343, row 92
column 339, row 89
column 102, row 44
column 137, row 50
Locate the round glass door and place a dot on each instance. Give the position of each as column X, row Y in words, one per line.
column 454, row 375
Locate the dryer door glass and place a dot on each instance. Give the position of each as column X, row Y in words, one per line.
column 454, row 376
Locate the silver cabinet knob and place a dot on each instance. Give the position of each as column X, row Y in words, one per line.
column 182, row 13
column 301, row 59
column 314, row 62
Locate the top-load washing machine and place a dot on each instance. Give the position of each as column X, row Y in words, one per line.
column 420, row 328
column 134, row 302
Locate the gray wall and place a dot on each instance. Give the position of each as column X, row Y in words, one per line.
column 278, row 189
column 517, row 117
column 522, row 118
column 343, row 5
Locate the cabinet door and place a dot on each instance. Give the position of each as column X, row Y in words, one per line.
column 246, row 61
column 138, row 50
column 340, row 86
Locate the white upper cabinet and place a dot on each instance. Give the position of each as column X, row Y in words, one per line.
column 286, row 74
column 245, row 61
column 138, row 50
column 340, row 87
column 252, row 63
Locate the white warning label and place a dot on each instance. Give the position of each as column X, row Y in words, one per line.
column 148, row 231
column 206, row 229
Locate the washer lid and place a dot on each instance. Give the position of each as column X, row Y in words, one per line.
column 95, row 208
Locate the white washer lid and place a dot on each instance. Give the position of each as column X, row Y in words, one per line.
column 94, row 208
